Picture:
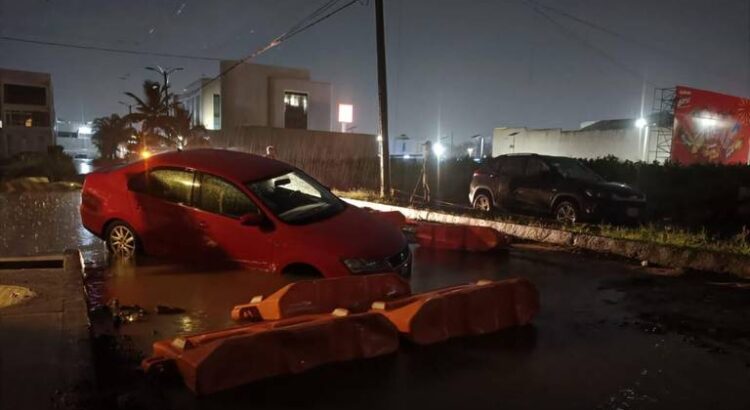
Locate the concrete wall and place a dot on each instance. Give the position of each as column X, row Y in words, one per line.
column 626, row 143
column 340, row 160
column 15, row 139
column 198, row 98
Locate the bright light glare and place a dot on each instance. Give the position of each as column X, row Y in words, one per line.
column 84, row 129
column 145, row 154
column 380, row 138
column 438, row 149
column 407, row 156
column 470, row 151
column 641, row 122
column 346, row 113
column 706, row 122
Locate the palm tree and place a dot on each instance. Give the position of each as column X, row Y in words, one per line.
column 153, row 114
column 109, row 133
column 183, row 130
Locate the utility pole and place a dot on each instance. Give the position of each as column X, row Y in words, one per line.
column 385, row 155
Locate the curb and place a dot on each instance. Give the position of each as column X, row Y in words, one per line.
column 664, row 255
column 75, row 326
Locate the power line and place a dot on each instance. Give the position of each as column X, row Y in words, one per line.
column 106, row 49
column 298, row 28
column 572, row 34
column 654, row 49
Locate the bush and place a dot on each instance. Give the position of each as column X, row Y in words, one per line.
column 709, row 195
column 54, row 164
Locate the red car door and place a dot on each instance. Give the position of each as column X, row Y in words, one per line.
column 219, row 206
column 161, row 202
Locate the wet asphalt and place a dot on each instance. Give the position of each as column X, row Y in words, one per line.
column 610, row 334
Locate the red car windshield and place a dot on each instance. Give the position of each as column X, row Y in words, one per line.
column 296, row 198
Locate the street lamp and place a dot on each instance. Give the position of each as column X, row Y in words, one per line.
column 165, row 72
column 438, row 149
column 130, row 106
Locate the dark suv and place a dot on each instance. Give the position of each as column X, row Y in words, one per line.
column 560, row 186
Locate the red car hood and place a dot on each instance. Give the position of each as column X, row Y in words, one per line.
column 353, row 233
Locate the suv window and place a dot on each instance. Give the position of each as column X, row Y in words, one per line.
column 221, row 197
column 172, row 185
column 535, row 167
column 513, row 166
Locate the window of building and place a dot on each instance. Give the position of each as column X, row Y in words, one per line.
column 217, row 111
column 220, row 197
column 24, row 94
column 295, row 110
column 27, row 119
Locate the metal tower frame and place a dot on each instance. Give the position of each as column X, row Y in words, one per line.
column 663, row 114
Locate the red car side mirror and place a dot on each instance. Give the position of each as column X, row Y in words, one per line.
column 251, row 219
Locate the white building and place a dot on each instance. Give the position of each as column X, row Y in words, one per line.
column 26, row 112
column 75, row 138
column 621, row 138
column 260, row 95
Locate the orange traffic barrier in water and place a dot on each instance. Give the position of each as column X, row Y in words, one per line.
column 215, row 361
column 459, row 237
column 355, row 293
column 463, row 310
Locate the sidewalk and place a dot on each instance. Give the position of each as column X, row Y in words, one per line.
column 44, row 342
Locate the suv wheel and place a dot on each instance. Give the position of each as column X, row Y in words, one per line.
column 122, row 241
column 483, row 202
column 566, row 212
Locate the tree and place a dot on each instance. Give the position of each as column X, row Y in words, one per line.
column 182, row 130
column 152, row 113
column 109, row 133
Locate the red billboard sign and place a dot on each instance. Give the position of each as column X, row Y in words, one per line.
column 710, row 128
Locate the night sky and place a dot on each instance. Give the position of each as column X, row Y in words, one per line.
column 461, row 66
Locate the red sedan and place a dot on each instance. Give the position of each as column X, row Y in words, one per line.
column 217, row 204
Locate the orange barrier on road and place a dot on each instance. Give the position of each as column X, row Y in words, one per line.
column 463, row 310
column 355, row 293
column 459, row 237
column 214, row 361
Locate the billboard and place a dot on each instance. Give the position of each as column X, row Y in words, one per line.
column 710, row 128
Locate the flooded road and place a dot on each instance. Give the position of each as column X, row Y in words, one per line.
column 609, row 335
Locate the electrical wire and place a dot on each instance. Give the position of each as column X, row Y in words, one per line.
column 106, row 49
column 298, row 28
column 575, row 36
column 654, row 49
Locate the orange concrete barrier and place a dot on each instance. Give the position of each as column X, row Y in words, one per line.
column 463, row 310
column 459, row 237
column 355, row 293
column 215, row 361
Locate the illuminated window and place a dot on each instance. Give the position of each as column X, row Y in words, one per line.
column 295, row 110
column 217, row 111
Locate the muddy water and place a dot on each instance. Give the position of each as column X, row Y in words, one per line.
column 608, row 336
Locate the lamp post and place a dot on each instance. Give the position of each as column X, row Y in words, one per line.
column 130, row 106
column 641, row 123
column 439, row 150
column 165, row 72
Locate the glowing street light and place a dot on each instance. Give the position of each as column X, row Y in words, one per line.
column 641, row 122
column 145, row 154
column 438, row 149
column 470, row 151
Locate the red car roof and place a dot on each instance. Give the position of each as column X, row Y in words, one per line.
column 240, row 166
